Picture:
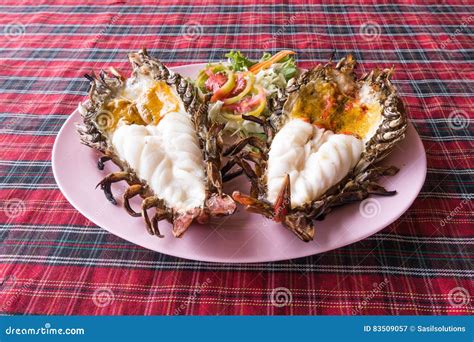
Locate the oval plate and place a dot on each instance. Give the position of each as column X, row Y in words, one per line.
column 242, row 237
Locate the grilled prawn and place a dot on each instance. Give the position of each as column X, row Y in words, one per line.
column 155, row 129
column 327, row 132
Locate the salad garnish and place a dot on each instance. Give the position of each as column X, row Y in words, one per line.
column 243, row 87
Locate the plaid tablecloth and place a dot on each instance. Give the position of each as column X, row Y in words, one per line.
column 54, row 261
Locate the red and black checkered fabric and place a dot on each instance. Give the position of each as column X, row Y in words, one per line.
column 55, row 261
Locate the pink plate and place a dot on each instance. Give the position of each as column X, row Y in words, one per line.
column 243, row 237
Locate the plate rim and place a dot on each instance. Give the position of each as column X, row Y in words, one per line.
column 347, row 242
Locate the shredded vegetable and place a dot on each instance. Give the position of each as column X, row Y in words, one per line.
column 267, row 63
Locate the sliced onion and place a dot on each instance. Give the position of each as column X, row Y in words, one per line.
column 250, row 82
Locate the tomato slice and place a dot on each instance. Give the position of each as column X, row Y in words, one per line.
column 249, row 105
column 240, row 83
column 226, row 88
column 215, row 81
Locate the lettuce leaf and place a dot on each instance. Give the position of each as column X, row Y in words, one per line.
column 288, row 67
column 238, row 61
